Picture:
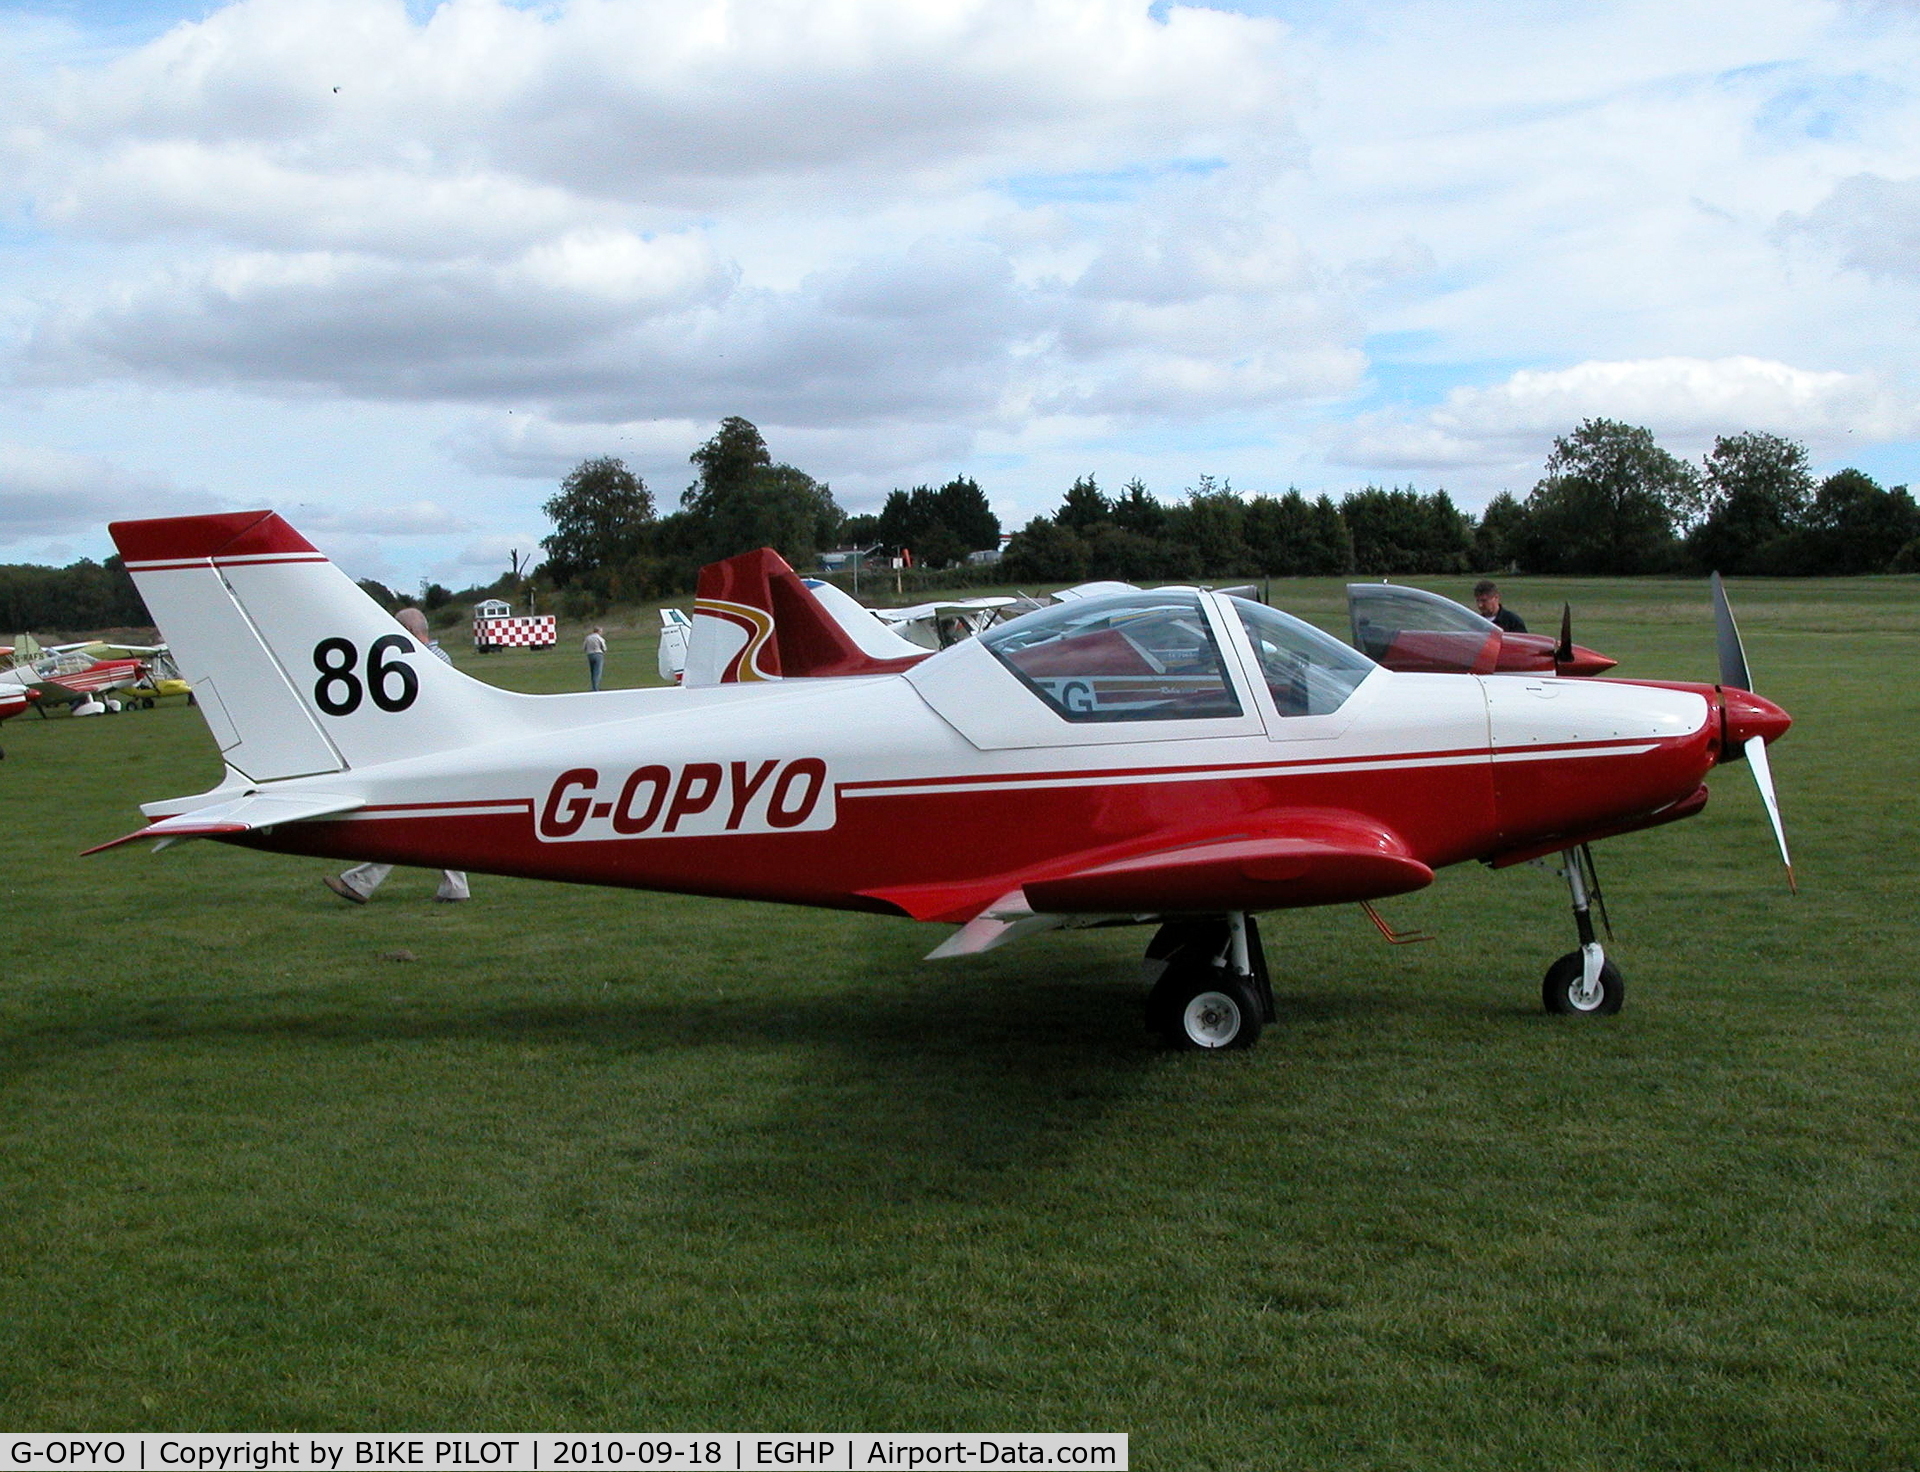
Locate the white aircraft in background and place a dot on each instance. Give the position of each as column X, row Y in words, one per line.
column 947, row 621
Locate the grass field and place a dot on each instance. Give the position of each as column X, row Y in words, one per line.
column 603, row 1160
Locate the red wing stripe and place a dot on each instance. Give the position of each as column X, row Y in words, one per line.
column 1001, row 781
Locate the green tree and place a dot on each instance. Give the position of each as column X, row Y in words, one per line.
column 1330, row 540
column 1115, row 552
column 1758, row 487
column 1290, row 536
column 1612, row 501
column 1212, row 521
column 601, row 518
column 1085, row 507
column 939, row 526
column 743, row 500
column 82, row 597
column 1043, row 551
column 1402, row 531
column 1135, row 510
column 1852, row 526
column 1500, row 534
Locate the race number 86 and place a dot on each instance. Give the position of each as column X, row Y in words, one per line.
column 391, row 682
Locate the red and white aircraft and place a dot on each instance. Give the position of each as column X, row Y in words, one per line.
column 72, row 672
column 1177, row 757
column 13, row 701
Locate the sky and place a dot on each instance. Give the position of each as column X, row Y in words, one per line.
column 393, row 267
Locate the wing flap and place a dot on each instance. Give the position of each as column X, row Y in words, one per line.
column 240, row 815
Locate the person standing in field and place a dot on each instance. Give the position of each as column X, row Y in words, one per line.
column 357, row 885
column 596, row 647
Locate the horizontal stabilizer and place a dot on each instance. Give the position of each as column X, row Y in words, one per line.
column 1279, row 860
column 241, row 815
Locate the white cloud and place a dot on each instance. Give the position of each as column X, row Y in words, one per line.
column 1685, row 400
column 484, row 559
column 45, row 493
column 1025, row 239
column 414, row 519
column 1873, row 223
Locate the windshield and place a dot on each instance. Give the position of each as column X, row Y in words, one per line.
column 1309, row 673
column 1411, row 629
column 1129, row 657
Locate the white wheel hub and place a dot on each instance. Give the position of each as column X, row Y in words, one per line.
column 1212, row 1020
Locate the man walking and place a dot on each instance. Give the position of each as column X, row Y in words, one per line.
column 596, row 647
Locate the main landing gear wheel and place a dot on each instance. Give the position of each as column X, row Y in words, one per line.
column 1219, row 1013
column 1564, row 992
column 1199, row 1002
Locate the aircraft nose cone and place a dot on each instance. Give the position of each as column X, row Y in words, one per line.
column 1746, row 716
column 1586, row 661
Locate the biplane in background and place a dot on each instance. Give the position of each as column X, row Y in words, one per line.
column 1179, row 758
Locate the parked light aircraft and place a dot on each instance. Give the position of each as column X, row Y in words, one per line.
column 15, row 700
column 75, row 672
column 942, row 622
column 1176, row 757
column 1414, row 630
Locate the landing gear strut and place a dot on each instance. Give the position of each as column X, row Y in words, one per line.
column 1210, row 984
column 1583, row 982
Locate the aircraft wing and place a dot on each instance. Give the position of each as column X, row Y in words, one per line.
column 1328, row 859
column 239, row 815
column 1275, row 860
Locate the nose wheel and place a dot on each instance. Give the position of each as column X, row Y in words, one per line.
column 1210, row 987
column 1583, row 982
column 1567, row 990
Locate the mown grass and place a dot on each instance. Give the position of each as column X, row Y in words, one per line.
column 598, row 1159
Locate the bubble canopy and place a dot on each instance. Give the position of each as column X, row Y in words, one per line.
column 1310, row 672
column 1153, row 656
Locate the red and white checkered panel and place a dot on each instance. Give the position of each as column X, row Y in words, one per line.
column 529, row 631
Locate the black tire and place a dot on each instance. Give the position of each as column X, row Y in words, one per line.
column 1180, row 952
column 1559, row 989
column 1214, row 1013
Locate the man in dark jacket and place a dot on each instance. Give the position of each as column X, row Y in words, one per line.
column 1486, row 597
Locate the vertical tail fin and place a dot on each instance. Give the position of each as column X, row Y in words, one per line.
column 753, row 619
column 296, row 670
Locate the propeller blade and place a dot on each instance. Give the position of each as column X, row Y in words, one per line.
column 1733, row 657
column 1564, row 654
column 1763, row 779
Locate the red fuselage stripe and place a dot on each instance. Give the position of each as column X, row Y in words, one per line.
column 971, row 832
